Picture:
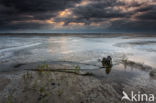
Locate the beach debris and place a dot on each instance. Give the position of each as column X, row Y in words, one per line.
column 72, row 71
column 107, row 62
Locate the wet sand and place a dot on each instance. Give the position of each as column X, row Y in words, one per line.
column 18, row 85
column 104, row 86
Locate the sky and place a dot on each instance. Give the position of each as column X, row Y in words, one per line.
column 77, row 16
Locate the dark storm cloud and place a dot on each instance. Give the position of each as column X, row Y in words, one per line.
column 95, row 11
column 98, row 10
column 31, row 6
column 21, row 10
column 149, row 13
column 122, row 15
column 105, row 9
column 146, row 8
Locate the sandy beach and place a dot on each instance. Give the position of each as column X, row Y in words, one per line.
column 19, row 84
column 59, row 87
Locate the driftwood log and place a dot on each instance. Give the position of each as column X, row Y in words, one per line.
column 107, row 62
column 72, row 71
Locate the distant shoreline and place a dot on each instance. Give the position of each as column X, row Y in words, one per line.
column 82, row 34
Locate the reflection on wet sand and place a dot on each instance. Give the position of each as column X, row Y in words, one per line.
column 108, row 70
column 59, row 45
